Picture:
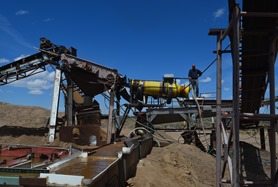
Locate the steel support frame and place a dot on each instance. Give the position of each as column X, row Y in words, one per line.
column 55, row 105
column 123, row 120
column 236, row 113
column 184, row 113
column 233, row 161
column 218, row 109
column 69, row 102
column 272, row 117
column 110, row 117
column 223, row 140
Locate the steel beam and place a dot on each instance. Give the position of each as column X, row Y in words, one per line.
column 55, row 105
column 108, row 74
column 273, row 123
column 218, row 109
column 69, row 102
column 110, row 118
column 236, row 113
column 259, row 14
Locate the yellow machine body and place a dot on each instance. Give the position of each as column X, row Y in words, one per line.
column 159, row 89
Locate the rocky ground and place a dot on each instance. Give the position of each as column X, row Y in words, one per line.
column 173, row 165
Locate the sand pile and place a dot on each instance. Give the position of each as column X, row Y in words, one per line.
column 175, row 165
column 24, row 116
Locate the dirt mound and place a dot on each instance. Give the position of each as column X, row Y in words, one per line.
column 24, row 125
column 16, row 131
column 24, row 116
column 175, row 165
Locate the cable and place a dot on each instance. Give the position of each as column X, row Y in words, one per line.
column 211, row 63
column 200, row 114
column 194, row 97
column 214, row 60
column 151, row 129
column 159, row 136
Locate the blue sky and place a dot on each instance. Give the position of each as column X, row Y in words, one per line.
column 142, row 39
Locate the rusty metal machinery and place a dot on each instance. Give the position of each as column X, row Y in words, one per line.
column 81, row 80
column 33, row 64
column 78, row 79
column 65, row 59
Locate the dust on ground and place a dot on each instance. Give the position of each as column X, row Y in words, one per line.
column 174, row 165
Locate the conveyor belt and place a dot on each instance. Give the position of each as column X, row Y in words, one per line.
column 257, row 37
column 91, row 78
column 23, row 68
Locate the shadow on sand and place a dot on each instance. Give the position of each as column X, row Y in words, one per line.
column 253, row 165
column 16, row 131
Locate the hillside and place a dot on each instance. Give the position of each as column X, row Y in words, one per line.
column 24, row 116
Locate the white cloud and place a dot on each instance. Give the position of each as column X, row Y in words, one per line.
column 207, row 79
column 182, row 82
column 218, row 13
column 35, row 92
column 36, row 83
column 48, row 19
column 22, row 12
column 50, row 76
column 206, row 95
column 7, row 28
column 226, row 89
column 20, row 57
column 46, row 75
column 3, row 60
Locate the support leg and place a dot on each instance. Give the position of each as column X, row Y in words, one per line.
column 55, row 105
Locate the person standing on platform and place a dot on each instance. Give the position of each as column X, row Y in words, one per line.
column 193, row 76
